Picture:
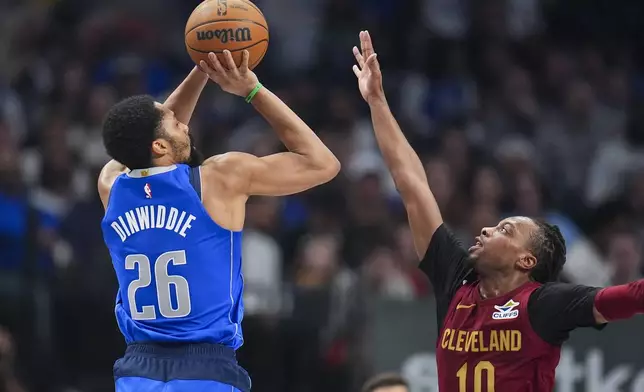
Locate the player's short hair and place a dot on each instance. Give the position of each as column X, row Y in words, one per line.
column 129, row 129
column 549, row 247
column 384, row 380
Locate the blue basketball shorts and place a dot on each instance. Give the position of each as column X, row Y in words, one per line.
column 138, row 384
column 180, row 368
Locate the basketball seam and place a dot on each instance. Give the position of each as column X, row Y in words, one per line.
column 254, row 6
column 226, row 20
column 259, row 59
column 221, row 51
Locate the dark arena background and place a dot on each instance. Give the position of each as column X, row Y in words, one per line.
column 522, row 107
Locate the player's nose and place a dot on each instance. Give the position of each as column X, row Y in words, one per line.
column 485, row 231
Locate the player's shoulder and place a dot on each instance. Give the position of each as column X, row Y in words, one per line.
column 553, row 294
column 229, row 162
column 555, row 289
column 227, row 170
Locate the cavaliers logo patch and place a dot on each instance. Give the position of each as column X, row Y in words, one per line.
column 222, row 7
column 506, row 311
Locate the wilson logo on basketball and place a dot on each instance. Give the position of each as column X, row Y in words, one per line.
column 222, row 7
column 241, row 34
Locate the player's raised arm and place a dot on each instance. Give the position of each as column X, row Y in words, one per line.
column 403, row 162
column 110, row 171
column 184, row 98
column 307, row 164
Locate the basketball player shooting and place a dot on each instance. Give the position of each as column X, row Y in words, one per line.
column 502, row 316
column 173, row 226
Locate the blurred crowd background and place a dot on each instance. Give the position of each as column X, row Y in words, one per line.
column 515, row 106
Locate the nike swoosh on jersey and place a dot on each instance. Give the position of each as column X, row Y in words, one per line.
column 461, row 306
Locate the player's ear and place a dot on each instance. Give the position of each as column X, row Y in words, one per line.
column 160, row 147
column 527, row 262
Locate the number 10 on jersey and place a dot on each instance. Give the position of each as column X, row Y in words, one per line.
column 479, row 370
column 164, row 283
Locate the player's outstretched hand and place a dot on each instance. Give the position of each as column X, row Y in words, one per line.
column 368, row 71
column 232, row 79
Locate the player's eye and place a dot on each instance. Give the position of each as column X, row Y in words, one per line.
column 503, row 230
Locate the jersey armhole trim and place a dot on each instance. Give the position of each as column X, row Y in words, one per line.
column 195, row 181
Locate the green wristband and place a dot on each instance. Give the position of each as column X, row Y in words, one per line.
column 252, row 94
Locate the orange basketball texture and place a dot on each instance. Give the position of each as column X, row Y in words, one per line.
column 235, row 25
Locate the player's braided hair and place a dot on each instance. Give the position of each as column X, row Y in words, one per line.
column 129, row 129
column 549, row 247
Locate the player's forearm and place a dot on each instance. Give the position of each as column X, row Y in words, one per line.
column 183, row 99
column 401, row 159
column 298, row 137
column 619, row 302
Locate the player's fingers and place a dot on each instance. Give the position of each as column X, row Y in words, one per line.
column 244, row 65
column 215, row 64
column 230, row 62
column 356, row 71
column 206, row 68
column 358, row 55
column 367, row 48
column 372, row 62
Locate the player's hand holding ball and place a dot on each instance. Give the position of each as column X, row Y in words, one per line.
column 239, row 81
column 368, row 70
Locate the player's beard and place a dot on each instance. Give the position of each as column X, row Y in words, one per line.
column 189, row 153
column 196, row 157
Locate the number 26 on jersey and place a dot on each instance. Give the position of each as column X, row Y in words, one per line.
column 164, row 283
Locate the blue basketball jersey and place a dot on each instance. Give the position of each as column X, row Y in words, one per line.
column 179, row 272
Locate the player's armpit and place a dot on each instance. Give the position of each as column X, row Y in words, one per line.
column 619, row 302
column 445, row 262
column 275, row 175
column 106, row 178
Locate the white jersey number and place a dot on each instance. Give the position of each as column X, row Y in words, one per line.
column 163, row 283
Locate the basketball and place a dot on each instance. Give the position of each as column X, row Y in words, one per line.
column 216, row 25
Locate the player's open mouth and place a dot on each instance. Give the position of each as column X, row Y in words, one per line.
column 477, row 245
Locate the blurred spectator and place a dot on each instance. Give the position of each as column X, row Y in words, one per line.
column 615, row 160
column 8, row 380
column 568, row 138
column 385, row 277
column 625, row 255
column 325, row 315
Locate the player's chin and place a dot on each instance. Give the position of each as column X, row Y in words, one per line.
column 475, row 250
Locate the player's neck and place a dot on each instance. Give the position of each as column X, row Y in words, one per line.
column 163, row 161
column 496, row 286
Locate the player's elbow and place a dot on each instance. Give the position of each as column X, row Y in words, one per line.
column 330, row 169
column 334, row 167
column 325, row 163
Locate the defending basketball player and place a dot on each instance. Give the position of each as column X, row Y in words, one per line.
column 502, row 316
column 173, row 228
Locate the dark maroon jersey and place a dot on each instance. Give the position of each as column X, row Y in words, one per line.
column 507, row 343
